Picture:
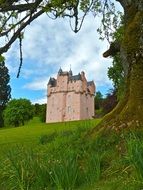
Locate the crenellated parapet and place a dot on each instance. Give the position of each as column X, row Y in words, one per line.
column 67, row 82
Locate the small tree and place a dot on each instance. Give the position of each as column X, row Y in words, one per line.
column 18, row 112
column 5, row 89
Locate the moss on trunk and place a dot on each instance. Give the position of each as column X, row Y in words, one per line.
column 129, row 111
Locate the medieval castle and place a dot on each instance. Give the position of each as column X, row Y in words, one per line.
column 70, row 97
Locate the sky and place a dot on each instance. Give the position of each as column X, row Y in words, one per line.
column 50, row 44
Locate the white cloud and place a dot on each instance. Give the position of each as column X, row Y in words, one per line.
column 40, row 101
column 40, row 84
column 49, row 45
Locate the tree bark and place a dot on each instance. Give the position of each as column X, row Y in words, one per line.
column 129, row 111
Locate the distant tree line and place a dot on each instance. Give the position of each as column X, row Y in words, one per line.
column 20, row 111
column 40, row 111
column 104, row 105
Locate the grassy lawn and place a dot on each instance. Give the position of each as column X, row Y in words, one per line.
column 32, row 131
column 61, row 156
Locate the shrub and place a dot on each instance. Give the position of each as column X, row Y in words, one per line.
column 18, row 111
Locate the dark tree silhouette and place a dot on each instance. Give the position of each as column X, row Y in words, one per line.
column 109, row 102
column 5, row 90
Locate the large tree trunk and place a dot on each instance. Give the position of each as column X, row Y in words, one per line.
column 129, row 111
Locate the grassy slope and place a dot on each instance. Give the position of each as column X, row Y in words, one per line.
column 18, row 144
column 32, row 131
column 106, row 161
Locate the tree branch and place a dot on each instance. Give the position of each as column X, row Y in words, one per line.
column 6, row 32
column 20, row 7
column 17, row 33
column 113, row 49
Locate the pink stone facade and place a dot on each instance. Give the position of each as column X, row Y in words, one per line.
column 70, row 97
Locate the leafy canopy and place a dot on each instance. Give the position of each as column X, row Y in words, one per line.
column 18, row 111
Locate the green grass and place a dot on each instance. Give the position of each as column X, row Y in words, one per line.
column 41, row 156
column 62, row 156
column 32, row 131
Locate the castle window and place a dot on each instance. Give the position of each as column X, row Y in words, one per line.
column 86, row 110
column 69, row 109
column 53, row 101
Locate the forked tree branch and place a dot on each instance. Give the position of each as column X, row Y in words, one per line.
column 17, row 33
column 18, row 23
column 19, row 7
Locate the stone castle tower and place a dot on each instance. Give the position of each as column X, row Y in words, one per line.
column 70, row 97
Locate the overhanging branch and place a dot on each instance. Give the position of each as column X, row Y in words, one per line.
column 113, row 49
column 18, row 23
column 17, row 33
column 20, row 7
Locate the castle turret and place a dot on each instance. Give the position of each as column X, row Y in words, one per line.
column 70, row 73
column 60, row 71
column 91, row 87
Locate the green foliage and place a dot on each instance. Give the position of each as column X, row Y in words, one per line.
column 110, row 101
column 4, row 86
column 98, row 100
column 111, row 19
column 2, row 59
column 18, row 111
column 117, row 75
column 106, row 104
column 5, row 89
column 40, row 111
column 84, row 5
column 119, row 33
